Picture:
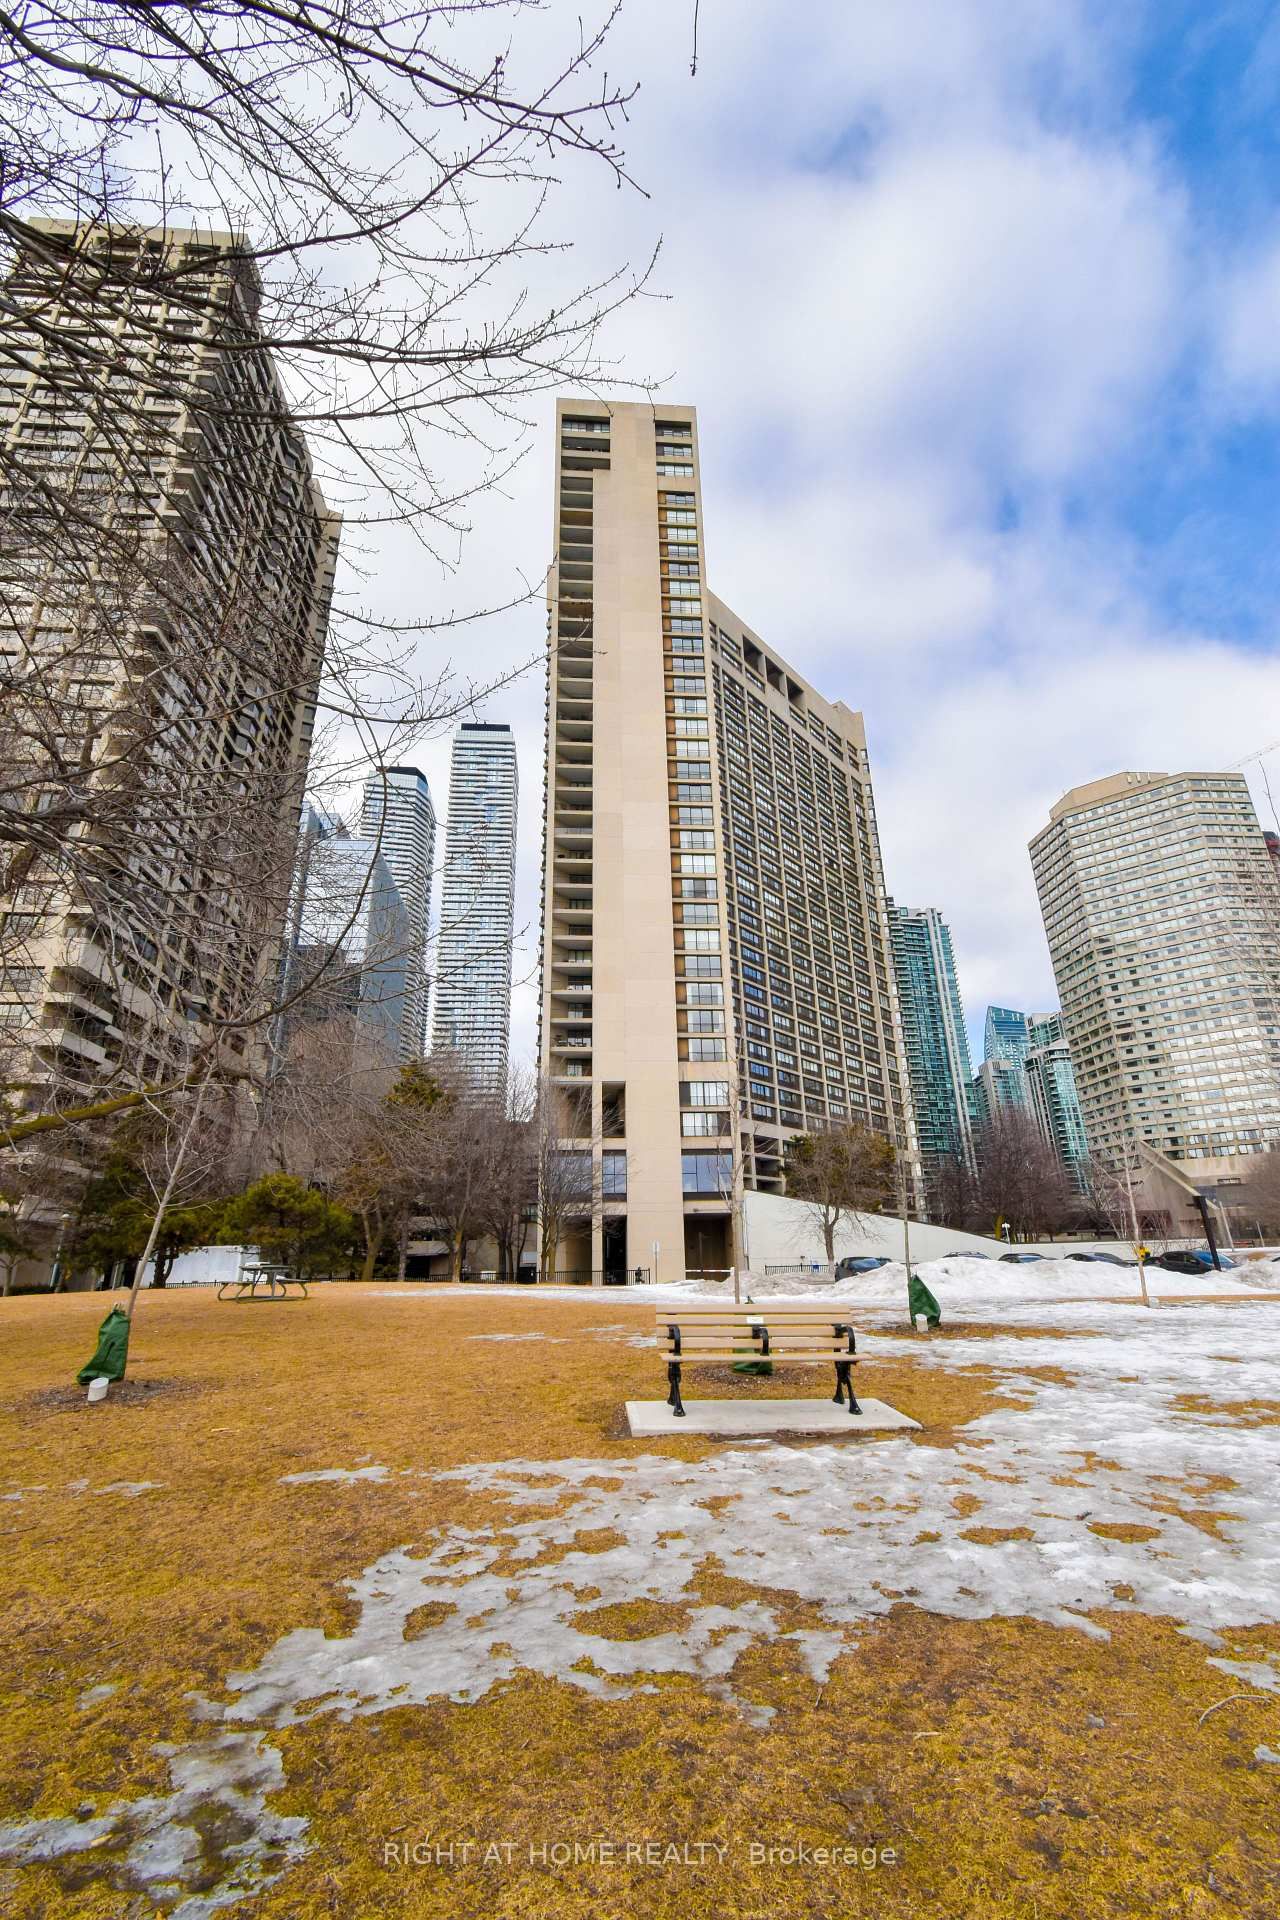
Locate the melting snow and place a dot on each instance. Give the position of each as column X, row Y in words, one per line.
column 222, row 1784
column 344, row 1475
column 95, row 1695
column 844, row 1529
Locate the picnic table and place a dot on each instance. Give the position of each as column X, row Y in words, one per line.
column 263, row 1282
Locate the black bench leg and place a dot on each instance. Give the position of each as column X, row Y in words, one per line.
column 673, row 1397
column 844, row 1380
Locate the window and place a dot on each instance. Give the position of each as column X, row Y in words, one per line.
column 697, row 862
column 704, row 1093
column 572, row 1174
column 707, row 994
column 613, row 1176
column 700, row 966
column 684, row 643
column 706, row 1049
column 694, row 1124
column 706, row 1172
column 698, row 1021
column 694, row 840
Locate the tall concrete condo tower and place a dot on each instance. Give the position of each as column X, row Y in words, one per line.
column 933, row 1030
column 398, row 813
column 1163, row 921
column 716, row 965
column 168, row 575
column 472, row 1016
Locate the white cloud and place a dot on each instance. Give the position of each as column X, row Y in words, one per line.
column 917, row 267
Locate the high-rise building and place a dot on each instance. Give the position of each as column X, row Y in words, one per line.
column 1007, row 1035
column 717, row 975
column 1054, row 1100
column 1163, row 921
column 168, row 575
column 398, row 814
column 472, row 1017
column 357, row 937
column 935, row 1042
column 998, row 1087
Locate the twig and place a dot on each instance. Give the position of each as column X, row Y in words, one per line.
column 1259, row 1699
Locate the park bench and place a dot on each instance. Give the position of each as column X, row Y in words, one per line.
column 785, row 1334
column 273, row 1281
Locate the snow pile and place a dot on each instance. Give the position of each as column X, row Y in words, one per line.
column 964, row 1282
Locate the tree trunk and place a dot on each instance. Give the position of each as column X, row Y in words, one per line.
column 9, row 1265
column 829, row 1240
column 402, row 1264
column 156, row 1224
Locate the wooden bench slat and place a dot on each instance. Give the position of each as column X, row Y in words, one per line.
column 736, row 1353
column 837, row 1343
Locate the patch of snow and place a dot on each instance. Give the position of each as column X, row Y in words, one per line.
column 131, row 1488
column 1267, row 1754
column 228, row 1776
column 1261, row 1674
column 343, row 1475
column 95, row 1695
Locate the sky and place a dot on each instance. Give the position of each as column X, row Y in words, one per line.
column 979, row 304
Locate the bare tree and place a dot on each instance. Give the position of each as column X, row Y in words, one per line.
column 269, row 266
column 840, row 1174
column 1021, row 1181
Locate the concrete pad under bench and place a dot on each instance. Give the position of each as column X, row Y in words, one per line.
column 648, row 1418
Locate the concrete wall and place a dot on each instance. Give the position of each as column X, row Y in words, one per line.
column 779, row 1230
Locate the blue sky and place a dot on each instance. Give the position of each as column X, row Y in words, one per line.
column 979, row 302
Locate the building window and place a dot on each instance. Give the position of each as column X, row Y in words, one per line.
column 706, row 1049
column 706, row 1173
column 703, row 1125
column 613, row 1176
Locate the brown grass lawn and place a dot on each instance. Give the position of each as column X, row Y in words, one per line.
column 1015, row 1769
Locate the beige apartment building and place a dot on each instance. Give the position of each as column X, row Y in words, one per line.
column 716, row 962
column 166, row 573
column 1162, row 913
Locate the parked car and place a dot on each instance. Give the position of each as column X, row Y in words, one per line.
column 860, row 1263
column 964, row 1253
column 1021, row 1259
column 1190, row 1260
column 1107, row 1259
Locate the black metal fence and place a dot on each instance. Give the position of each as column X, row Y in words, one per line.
column 598, row 1277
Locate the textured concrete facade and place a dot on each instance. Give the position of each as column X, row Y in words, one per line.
column 715, row 937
